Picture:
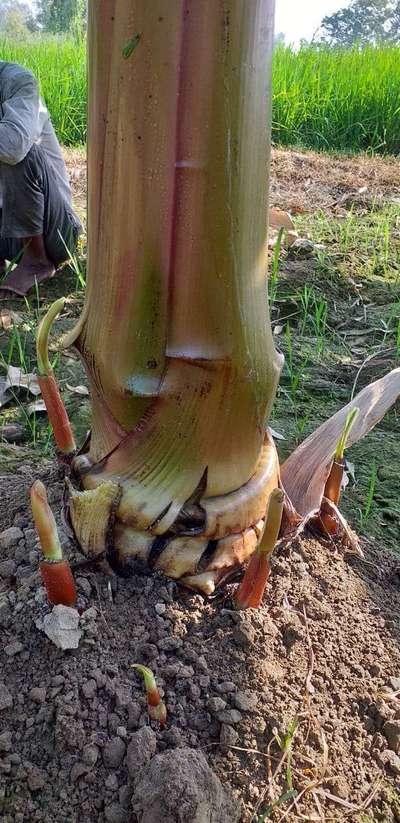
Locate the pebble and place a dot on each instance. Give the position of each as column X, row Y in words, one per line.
column 61, row 627
column 216, row 704
column 13, row 648
column 226, row 686
column 244, row 635
column 89, row 689
column 7, row 568
column 84, row 585
column 391, row 730
column 5, row 613
column 229, row 716
column 246, row 701
column 390, row 760
column 114, row 813
column 160, row 608
column 113, row 753
column 111, row 782
column 124, row 795
column 10, row 537
column 78, row 770
column 228, row 736
column 90, row 754
column 5, row 741
column 123, row 696
column 38, row 695
column 395, row 683
column 35, row 779
column 170, row 644
column 141, row 749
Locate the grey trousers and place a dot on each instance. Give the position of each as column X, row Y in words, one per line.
column 33, row 205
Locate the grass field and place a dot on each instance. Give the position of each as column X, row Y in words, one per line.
column 332, row 99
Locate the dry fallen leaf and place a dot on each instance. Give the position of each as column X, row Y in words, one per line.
column 17, row 379
column 83, row 390
column 9, row 318
column 279, row 219
column 35, row 407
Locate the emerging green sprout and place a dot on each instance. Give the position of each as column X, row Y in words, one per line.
column 56, row 572
column 155, row 706
column 50, row 392
column 250, row 591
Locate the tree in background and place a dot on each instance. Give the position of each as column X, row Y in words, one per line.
column 59, row 16
column 16, row 18
column 364, row 21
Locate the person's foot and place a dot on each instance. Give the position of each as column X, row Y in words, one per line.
column 23, row 278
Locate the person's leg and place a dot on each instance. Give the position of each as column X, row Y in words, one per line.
column 37, row 216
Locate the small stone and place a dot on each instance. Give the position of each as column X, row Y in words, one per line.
column 123, row 696
column 7, row 568
column 90, row 614
column 229, row 716
column 339, row 786
column 395, row 683
column 170, row 644
column 389, row 760
column 10, row 537
column 124, row 796
column 114, row 752
column 90, row 754
column 111, row 783
column 5, row 741
column 391, row 730
column 246, row 701
column 38, row 695
column 141, row 749
column 6, row 699
column 244, row 635
column 35, row 779
column 114, row 813
column 228, row 736
column 13, row 648
column 225, row 687
column 5, row 613
column 216, row 704
column 179, row 785
column 61, row 627
column 259, row 725
column 78, row 770
column 89, row 689
column 84, row 585
column 160, row 608
column 122, row 732
column 134, row 712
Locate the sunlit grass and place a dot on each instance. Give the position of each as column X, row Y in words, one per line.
column 323, row 98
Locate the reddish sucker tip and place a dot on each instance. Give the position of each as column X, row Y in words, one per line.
column 153, row 697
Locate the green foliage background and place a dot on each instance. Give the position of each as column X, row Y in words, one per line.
column 323, row 98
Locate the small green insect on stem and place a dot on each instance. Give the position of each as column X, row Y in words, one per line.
column 130, row 46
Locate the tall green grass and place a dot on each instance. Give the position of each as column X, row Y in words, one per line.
column 338, row 99
column 60, row 65
column 333, row 99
